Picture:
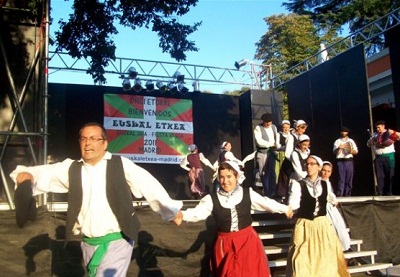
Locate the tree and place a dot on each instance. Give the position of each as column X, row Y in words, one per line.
column 290, row 39
column 336, row 13
column 89, row 30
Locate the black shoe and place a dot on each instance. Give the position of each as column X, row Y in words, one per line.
column 25, row 203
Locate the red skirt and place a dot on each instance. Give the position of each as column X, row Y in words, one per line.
column 238, row 254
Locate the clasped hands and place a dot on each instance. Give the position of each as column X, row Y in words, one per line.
column 178, row 218
column 289, row 213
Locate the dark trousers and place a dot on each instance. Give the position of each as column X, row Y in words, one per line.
column 346, row 172
column 384, row 168
column 266, row 165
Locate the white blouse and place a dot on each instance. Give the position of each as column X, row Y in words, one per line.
column 229, row 201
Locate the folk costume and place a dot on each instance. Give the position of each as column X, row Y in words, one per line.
column 100, row 206
column 315, row 249
column 238, row 250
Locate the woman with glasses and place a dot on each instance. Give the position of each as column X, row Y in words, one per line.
column 315, row 248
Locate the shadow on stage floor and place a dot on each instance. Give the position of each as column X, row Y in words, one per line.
column 163, row 249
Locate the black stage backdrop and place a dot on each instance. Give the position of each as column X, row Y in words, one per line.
column 332, row 95
column 377, row 224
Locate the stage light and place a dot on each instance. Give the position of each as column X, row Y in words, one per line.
column 149, row 85
column 241, row 63
column 172, row 87
column 160, row 85
column 182, row 89
column 126, row 84
column 138, row 85
column 196, row 86
column 180, row 78
column 132, row 73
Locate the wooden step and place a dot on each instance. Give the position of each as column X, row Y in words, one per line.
column 368, row 267
column 273, row 222
column 276, row 249
column 275, row 235
column 358, row 254
column 277, row 262
column 356, row 242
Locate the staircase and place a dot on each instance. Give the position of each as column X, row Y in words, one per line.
column 275, row 231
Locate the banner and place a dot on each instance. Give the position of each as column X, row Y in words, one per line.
column 148, row 129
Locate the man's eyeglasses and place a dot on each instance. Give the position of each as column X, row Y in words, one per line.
column 90, row 139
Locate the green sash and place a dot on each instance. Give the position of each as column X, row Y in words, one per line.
column 102, row 243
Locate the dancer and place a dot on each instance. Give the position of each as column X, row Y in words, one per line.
column 100, row 187
column 192, row 164
column 266, row 139
column 332, row 211
column 315, row 248
column 238, row 250
column 286, row 169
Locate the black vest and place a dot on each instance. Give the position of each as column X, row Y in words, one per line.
column 221, row 156
column 307, row 202
column 118, row 194
column 222, row 215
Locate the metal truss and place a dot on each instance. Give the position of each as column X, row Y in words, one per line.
column 23, row 130
column 365, row 35
column 164, row 71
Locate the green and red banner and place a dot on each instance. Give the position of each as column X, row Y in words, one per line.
column 148, row 129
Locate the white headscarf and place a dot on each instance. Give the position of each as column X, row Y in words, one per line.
column 236, row 167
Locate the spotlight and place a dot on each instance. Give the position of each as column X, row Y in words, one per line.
column 132, row 73
column 241, row 63
column 126, row 84
column 171, row 87
column 160, row 85
column 138, row 85
column 182, row 89
column 149, row 85
column 196, row 86
column 180, row 78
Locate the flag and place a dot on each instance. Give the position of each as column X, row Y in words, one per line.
column 148, row 129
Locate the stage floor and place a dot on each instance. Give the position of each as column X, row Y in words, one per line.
column 164, row 249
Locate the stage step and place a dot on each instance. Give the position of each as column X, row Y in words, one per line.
column 357, row 243
column 368, row 267
column 359, row 254
column 276, row 235
column 276, row 249
column 278, row 262
column 273, row 222
column 278, row 242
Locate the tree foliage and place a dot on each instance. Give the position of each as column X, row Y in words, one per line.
column 356, row 13
column 89, row 30
column 289, row 40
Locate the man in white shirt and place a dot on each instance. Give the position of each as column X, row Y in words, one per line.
column 100, row 186
column 345, row 148
column 266, row 139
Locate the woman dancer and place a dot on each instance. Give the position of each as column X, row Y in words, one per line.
column 238, row 250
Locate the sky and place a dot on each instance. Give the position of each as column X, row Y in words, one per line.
column 229, row 31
